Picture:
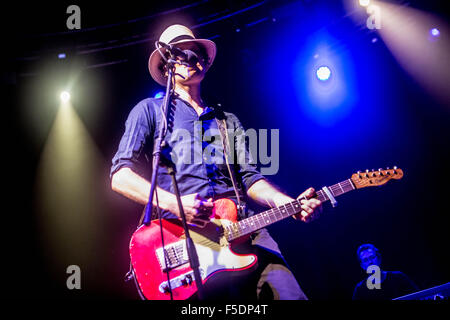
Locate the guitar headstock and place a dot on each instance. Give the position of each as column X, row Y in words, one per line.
column 375, row 177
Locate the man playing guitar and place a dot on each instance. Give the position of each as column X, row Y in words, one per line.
column 202, row 182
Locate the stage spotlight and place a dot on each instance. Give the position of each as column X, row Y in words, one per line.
column 404, row 31
column 364, row 3
column 159, row 95
column 67, row 193
column 434, row 32
column 323, row 73
column 65, row 96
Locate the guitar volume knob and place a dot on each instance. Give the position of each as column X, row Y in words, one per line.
column 187, row 280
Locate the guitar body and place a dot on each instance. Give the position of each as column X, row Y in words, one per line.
column 215, row 254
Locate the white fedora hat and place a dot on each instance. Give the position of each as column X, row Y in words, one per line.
column 177, row 34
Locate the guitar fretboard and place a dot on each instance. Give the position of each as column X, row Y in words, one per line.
column 263, row 219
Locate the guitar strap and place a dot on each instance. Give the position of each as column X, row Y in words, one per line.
column 222, row 125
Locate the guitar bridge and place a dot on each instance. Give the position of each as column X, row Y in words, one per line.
column 176, row 255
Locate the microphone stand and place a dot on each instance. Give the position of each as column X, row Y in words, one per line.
column 159, row 144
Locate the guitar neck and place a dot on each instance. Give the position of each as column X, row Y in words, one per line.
column 266, row 218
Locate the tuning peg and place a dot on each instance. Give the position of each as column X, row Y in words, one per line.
column 367, row 173
column 359, row 174
column 379, row 170
column 395, row 168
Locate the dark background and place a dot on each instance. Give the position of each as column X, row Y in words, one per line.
column 388, row 120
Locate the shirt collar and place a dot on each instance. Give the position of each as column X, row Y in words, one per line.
column 208, row 113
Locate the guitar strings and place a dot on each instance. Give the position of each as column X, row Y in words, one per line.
column 245, row 226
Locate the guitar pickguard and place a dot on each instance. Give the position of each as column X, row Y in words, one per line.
column 213, row 250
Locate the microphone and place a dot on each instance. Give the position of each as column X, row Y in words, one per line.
column 188, row 56
column 174, row 50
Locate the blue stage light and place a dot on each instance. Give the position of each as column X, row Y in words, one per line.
column 159, row 95
column 323, row 73
column 324, row 79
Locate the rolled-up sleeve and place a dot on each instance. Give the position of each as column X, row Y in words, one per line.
column 139, row 126
column 245, row 158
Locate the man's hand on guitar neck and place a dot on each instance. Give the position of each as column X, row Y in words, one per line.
column 266, row 194
column 311, row 208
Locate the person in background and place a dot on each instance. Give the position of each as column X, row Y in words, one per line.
column 393, row 283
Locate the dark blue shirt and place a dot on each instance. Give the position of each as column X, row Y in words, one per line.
column 194, row 145
column 394, row 285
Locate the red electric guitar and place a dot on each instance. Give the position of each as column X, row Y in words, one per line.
column 214, row 242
